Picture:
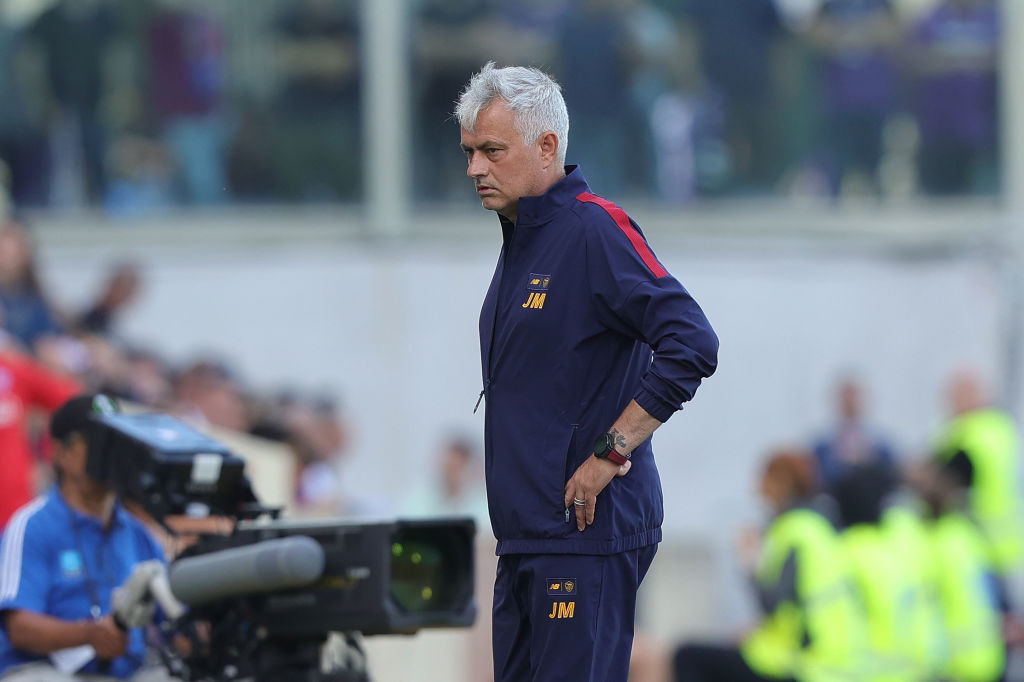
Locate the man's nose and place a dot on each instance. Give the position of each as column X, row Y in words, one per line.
column 477, row 166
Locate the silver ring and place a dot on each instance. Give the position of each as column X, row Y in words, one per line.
column 578, row 502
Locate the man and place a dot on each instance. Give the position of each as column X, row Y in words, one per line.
column 61, row 558
column 983, row 440
column 851, row 442
column 954, row 50
column 577, row 303
column 960, row 577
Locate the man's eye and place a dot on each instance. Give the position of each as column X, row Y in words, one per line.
column 493, row 150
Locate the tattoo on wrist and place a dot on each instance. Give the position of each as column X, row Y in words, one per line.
column 618, row 438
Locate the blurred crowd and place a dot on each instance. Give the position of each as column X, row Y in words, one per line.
column 139, row 105
column 677, row 100
column 49, row 352
column 874, row 567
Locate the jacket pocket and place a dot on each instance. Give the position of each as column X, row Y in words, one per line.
column 569, row 467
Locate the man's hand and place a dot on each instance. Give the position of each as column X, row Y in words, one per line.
column 586, row 483
column 133, row 601
column 107, row 639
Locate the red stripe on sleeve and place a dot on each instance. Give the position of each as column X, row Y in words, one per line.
column 622, row 220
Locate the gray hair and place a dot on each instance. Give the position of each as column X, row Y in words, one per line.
column 534, row 98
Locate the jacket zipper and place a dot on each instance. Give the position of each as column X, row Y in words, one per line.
column 494, row 322
column 480, row 397
column 572, row 440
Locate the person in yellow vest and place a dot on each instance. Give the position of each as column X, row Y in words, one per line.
column 811, row 630
column 989, row 440
column 961, row 576
column 887, row 550
column 906, row 533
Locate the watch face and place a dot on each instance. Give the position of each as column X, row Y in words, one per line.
column 603, row 445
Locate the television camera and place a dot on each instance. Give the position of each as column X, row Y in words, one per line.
column 265, row 599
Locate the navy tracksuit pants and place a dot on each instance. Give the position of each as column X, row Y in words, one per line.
column 566, row 617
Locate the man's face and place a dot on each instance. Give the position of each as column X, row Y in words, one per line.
column 501, row 164
column 70, row 458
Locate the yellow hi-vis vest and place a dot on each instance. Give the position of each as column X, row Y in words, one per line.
column 989, row 438
column 907, row 536
column 973, row 626
column 820, row 635
column 892, row 591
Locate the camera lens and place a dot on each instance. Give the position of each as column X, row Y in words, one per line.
column 428, row 571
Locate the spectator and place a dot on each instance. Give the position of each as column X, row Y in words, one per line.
column 120, row 290
column 961, row 575
column 208, row 392
column 320, row 436
column 956, row 51
column 857, row 40
column 187, row 79
column 74, row 36
column 25, row 386
column 250, row 161
column 536, row 24
column 318, row 125
column 26, row 313
column 149, row 379
column 850, row 442
column 320, row 441
column 736, row 41
column 457, row 486
column 22, row 141
column 595, row 45
column 653, row 50
column 908, row 535
column 687, row 126
column 452, row 38
column 985, row 442
column 887, row 574
column 129, row 373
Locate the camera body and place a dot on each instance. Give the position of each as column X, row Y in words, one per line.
column 377, row 576
column 167, row 466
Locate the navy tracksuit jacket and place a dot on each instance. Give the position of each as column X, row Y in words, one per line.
column 576, row 305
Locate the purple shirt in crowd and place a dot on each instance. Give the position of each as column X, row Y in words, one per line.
column 858, row 79
column 959, row 104
column 187, row 57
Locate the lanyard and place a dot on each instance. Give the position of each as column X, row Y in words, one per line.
column 96, row 610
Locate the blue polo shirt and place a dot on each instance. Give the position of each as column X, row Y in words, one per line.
column 59, row 562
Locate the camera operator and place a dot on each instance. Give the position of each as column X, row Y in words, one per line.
column 62, row 558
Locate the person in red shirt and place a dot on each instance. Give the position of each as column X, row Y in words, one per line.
column 25, row 385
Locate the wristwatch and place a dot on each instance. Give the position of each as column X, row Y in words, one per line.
column 604, row 448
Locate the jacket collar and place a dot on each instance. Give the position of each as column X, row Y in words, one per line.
column 536, row 210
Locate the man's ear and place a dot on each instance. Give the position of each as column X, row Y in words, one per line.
column 548, row 147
